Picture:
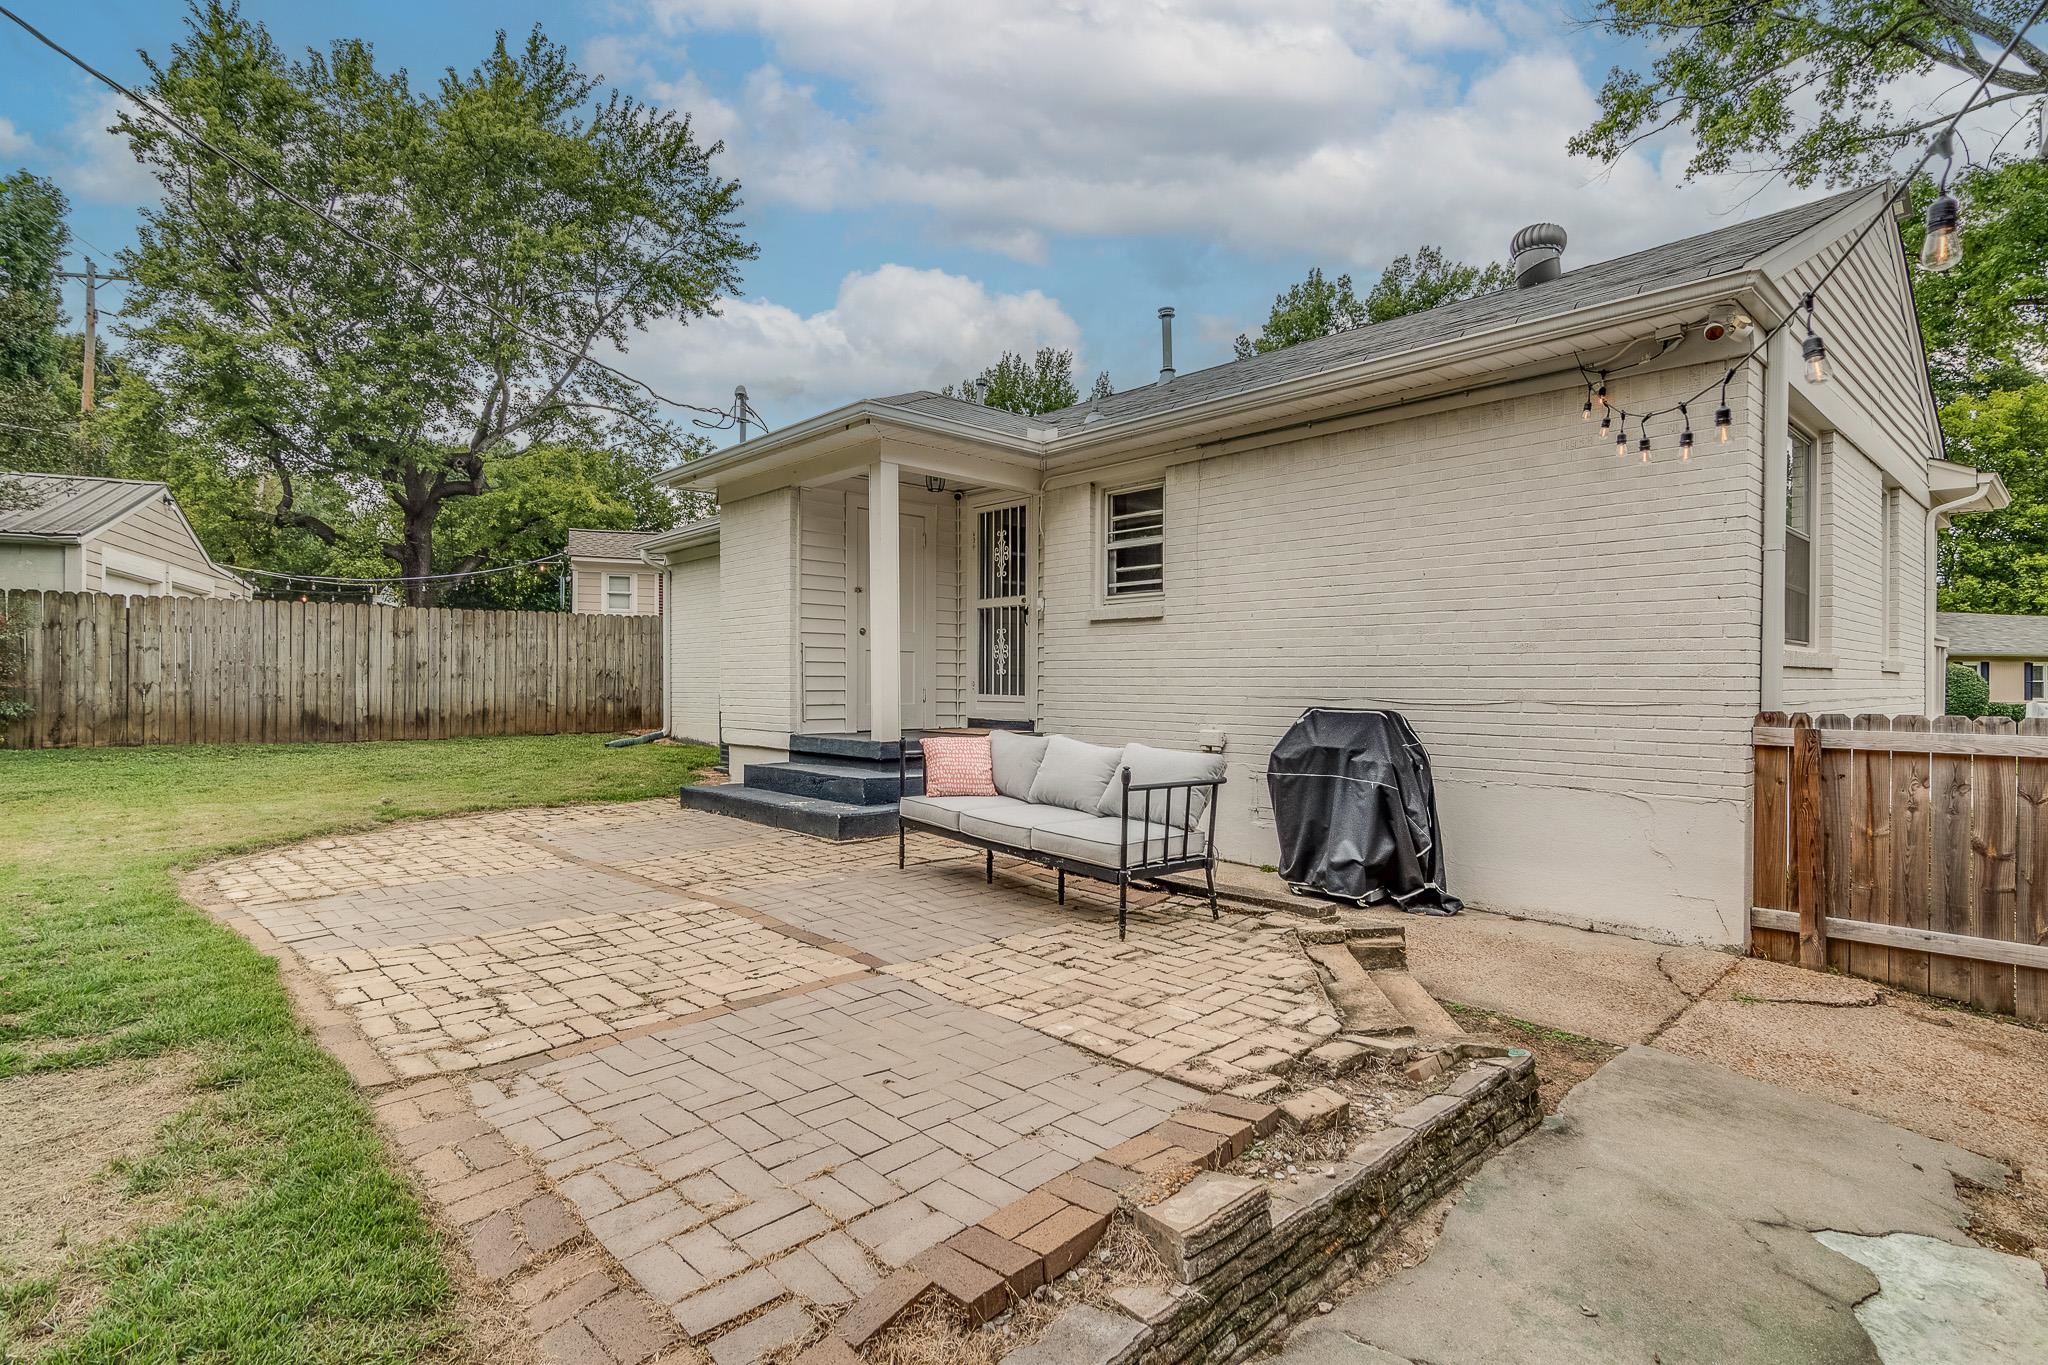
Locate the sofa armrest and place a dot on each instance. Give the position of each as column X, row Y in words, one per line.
column 1169, row 846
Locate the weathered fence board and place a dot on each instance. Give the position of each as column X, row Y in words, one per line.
column 99, row 670
column 1907, row 851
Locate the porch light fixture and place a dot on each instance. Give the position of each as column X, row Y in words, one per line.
column 934, row 484
column 1814, row 351
column 1942, row 248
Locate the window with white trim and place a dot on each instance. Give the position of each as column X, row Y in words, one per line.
column 1134, row 529
column 618, row 594
column 2034, row 691
column 1800, row 490
column 1888, row 513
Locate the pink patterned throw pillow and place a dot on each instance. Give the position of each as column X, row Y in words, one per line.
column 958, row 765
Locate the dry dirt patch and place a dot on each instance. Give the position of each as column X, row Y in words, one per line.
column 60, row 1134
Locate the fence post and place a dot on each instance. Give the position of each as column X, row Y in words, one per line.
column 1809, row 845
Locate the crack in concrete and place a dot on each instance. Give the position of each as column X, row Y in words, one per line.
column 1691, row 997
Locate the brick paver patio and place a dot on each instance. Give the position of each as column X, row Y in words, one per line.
column 687, row 1083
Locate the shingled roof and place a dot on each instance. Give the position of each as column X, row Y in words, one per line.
column 1675, row 263
column 1981, row 635
column 607, row 544
column 68, row 507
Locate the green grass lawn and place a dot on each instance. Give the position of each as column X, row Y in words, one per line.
column 293, row 1238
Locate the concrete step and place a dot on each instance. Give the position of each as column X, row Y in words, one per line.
column 835, row 820
column 851, row 747
column 853, row 781
column 1359, row 1001
column 1416, row 1005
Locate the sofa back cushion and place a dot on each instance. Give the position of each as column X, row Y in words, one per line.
column 1148, row 764
column 1016, row 758
column 1073, row 774
column 958, row 765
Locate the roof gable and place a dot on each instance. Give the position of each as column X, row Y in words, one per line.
column 69, row 507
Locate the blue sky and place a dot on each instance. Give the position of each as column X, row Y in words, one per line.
column 932, row 181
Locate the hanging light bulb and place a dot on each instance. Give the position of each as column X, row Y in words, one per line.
column 1586, row 413
column 1606, row 424
column 1601, row 397
column 1685, row 437
column 1723, row 419
column 1942, row 248
column 1813, row 350
column 1644, row 444
column 1621, row 438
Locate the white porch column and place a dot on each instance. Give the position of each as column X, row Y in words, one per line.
column 885, row 609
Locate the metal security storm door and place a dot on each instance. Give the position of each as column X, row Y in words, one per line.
column 1002, row 607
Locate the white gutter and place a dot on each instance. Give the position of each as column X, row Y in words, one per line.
column 1989, row 495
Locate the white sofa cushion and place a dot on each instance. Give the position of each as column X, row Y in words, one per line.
column 1016, row 758
column 1006, row 822
column 1148, row 764
column 945, row 811
column 1096, row 839
column 1073, row 774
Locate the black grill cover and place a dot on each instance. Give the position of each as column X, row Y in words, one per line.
column 1356, row 810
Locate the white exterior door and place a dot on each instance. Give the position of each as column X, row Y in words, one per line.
column 1000, row 570
column 913, row 543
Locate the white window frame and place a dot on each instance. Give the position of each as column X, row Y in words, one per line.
column 1110, row 545
column 2033, row 681
column 1810, row 534
column 1892, row 625
column 604, row 591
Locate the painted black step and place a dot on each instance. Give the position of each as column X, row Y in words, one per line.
column 834, row 820
column 856, row 782
column 850, row 746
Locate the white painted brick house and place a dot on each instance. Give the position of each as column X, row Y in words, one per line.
column 1410, row 515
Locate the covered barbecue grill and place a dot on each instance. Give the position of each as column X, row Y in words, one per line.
column 1356, row 811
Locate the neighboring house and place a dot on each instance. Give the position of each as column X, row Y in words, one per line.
column 2008, row 652
column 608, row 576
column 123, row 536
column 1412, row 515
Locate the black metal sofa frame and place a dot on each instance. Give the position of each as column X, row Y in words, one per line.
column 1143, row 867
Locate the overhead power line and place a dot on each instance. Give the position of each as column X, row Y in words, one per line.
column 189, row 134
column 399, row 580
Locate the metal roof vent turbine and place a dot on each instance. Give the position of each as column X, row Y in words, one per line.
column 1538, row 254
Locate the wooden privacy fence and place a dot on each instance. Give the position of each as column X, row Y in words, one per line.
column 1908, row 851
column 102, row 670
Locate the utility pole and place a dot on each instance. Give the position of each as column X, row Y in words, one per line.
column 92, row 278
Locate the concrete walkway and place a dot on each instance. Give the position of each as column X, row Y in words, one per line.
column 1774, row 1147
column 1669, row 1213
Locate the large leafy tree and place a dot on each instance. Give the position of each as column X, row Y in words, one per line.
column 1031, row 384
column 1803, row 88
column 1985, row 322
column 544, row 221
column 1320, row 307
column 1999, row 561
column 37, row 426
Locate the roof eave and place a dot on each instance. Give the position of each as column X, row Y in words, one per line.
column 762, row 452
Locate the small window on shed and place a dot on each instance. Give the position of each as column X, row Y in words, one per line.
column 618, row 593
column 1135, row 524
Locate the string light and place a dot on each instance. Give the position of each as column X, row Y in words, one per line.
column 1606, row 424
column 1621, row 438
column 1644, row 444
column 1814, row 350
column 1942, row 248
column 1685, row 437
column 1586, row 413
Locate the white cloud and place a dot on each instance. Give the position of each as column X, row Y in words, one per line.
column 888, row 330
column 1346, row 132
column 13, row 142
column 104, row 169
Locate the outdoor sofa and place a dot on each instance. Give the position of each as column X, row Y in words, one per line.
column 1112, row 814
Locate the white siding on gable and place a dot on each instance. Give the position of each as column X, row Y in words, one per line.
column 826, row 600
column 757, row 612
column 692, row 634
column 1876, row 364
column 590, row 586
column 1575, row 637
